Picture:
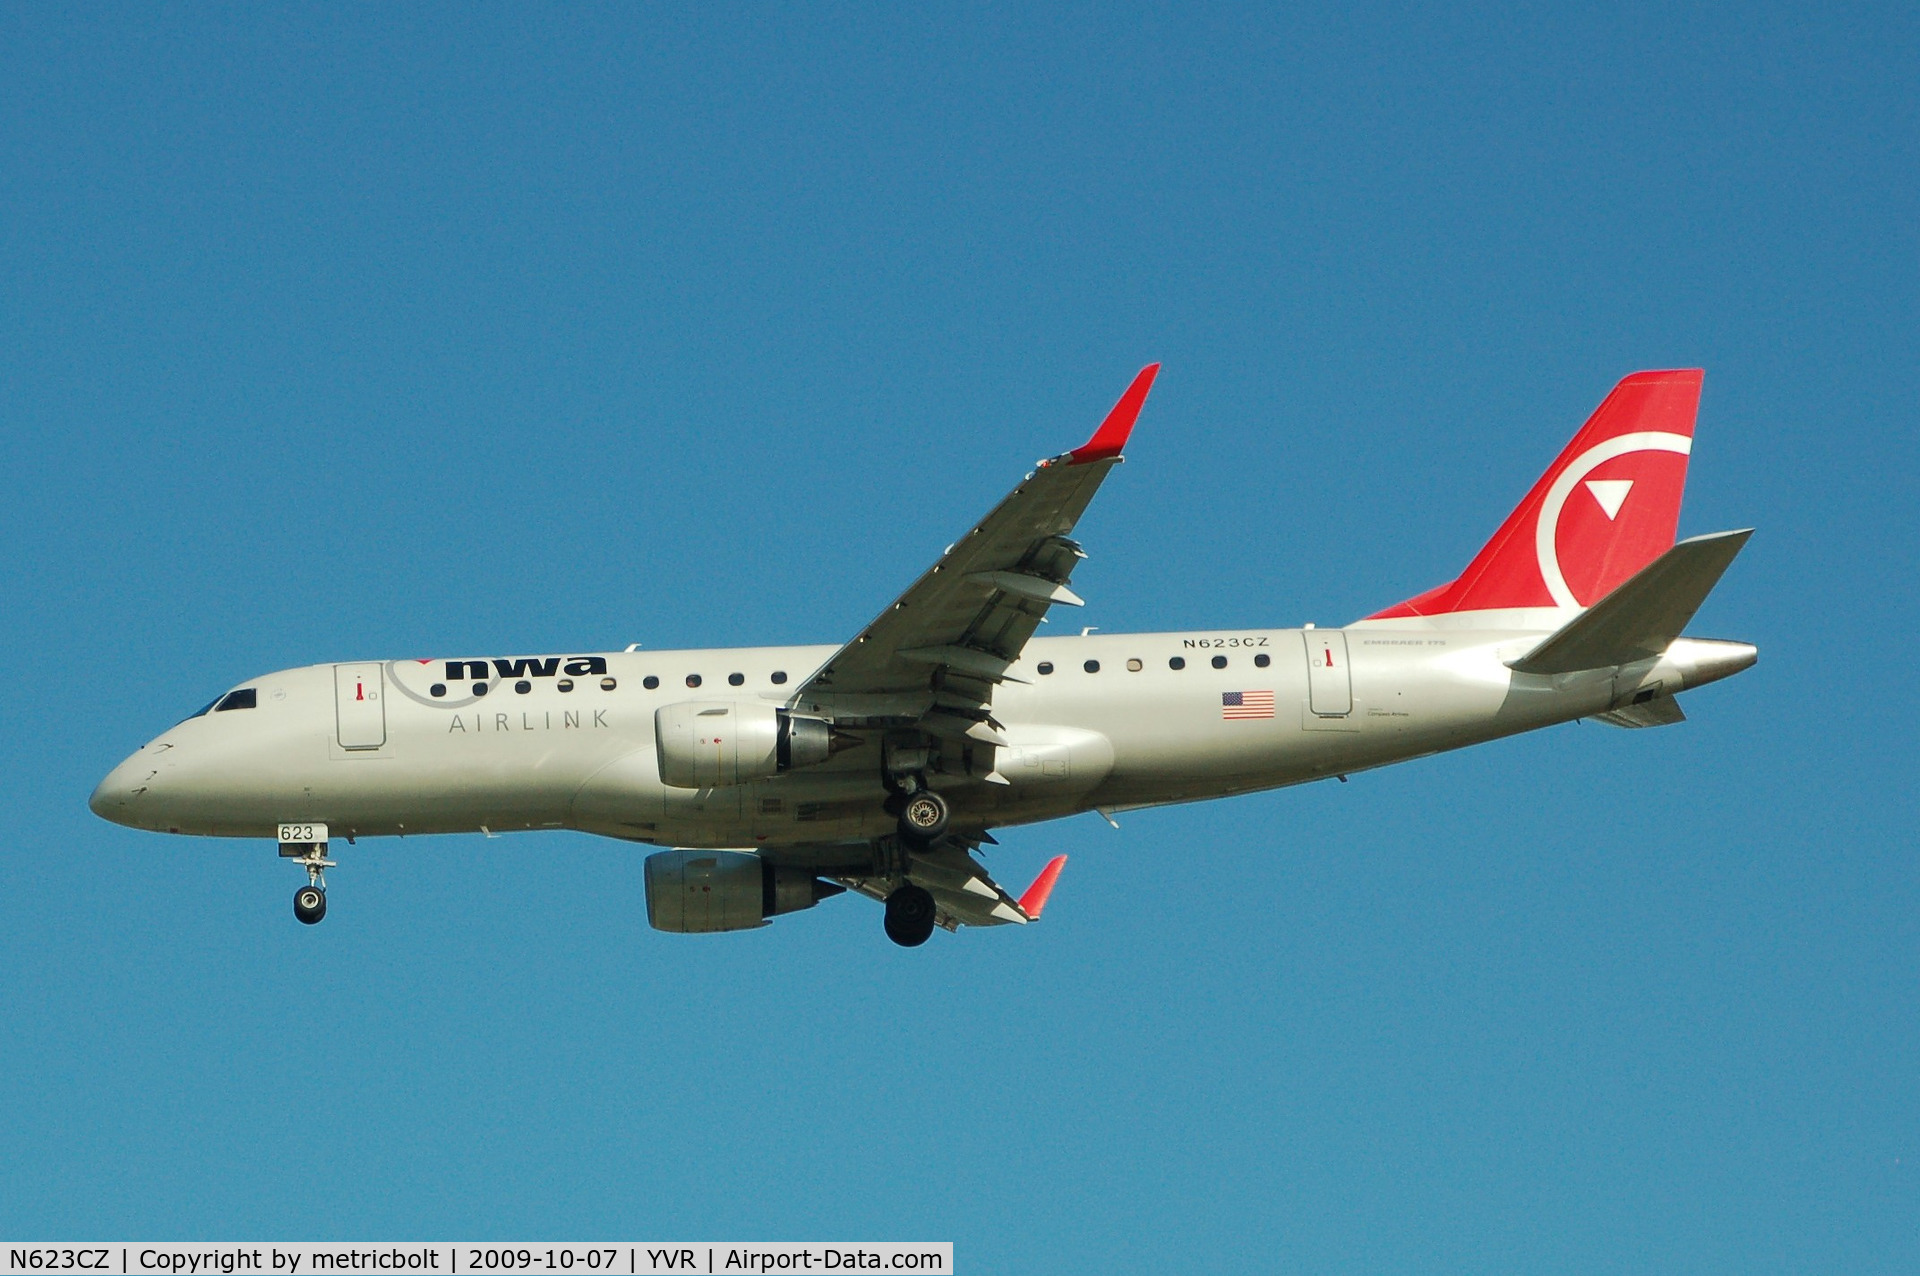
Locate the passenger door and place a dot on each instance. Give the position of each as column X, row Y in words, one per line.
column 1329, row 685
column 360, row 706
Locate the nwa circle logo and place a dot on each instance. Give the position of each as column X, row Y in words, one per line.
column 1609, row 494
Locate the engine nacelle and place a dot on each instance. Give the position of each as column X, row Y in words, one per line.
column 710, row 744
column 700, row 892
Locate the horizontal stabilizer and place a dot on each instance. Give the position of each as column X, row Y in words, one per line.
column 1642, row 616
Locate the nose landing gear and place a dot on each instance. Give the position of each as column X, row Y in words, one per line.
column 310, row 901
column 306, row 845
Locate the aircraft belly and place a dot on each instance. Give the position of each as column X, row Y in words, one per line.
column 625, row 798
column 817, row 806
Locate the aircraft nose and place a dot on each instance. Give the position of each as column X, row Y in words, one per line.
column 115, row 798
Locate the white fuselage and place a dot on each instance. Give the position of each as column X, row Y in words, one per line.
column 369, row 748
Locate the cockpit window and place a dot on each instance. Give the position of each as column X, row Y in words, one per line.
column 245, row 698
column 202, row 711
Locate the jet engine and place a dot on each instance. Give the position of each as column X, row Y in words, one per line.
column 700, row 892
column 704, row 745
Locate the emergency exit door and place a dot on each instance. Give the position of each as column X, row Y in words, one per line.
column 360, row 706
column 1329, row 687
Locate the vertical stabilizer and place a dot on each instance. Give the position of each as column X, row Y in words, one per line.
column 1604, row 509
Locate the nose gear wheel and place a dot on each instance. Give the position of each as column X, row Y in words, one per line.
column 309, row 904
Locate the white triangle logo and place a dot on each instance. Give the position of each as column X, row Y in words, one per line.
column 1611, row 493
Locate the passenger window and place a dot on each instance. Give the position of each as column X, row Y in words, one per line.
column 693, row 680
column 523, row 686
column 608, row 684
column 1262, row 660
column 779, row 677
column 1092, row 666
column 1219, row 662
column 565, row 684
column 481, row 688
column 1134, row 666
column 437, row 690
column 736, row 679
column 650, row 682
column 1177, row 662
column 1044, row 667
column 245, row 698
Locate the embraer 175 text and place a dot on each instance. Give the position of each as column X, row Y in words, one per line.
column 784, row 775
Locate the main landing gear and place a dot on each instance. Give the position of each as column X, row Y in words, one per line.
column 922, row 813
column 923, row 817
column 910, row 916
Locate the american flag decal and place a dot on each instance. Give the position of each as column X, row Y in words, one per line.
column 1246, row 704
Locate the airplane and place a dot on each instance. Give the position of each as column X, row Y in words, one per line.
column 776, row 777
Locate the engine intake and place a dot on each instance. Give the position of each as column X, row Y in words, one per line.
column 701, row 892
column 711, row 744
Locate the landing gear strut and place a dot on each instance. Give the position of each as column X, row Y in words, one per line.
column 910, row 916
column 922, row 813
column 310, row 901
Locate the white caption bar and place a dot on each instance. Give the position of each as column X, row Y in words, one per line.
column 450, row 1258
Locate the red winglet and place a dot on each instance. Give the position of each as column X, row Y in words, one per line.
column 1036, row 897
column 1112, row 434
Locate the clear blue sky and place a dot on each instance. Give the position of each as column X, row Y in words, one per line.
column 336, row 333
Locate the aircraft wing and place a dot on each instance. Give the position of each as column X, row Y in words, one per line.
column 963, row 892
column 933, row 658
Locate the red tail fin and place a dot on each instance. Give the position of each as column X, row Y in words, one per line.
column 1602, row 511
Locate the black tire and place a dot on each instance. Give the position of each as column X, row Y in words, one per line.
column 923, row 817
column 909, row 916
column 309, row 904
